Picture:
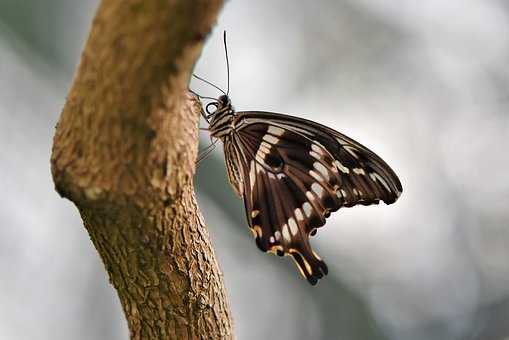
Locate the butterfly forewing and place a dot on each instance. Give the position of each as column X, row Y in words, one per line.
column 292, row 173
column 360, row 168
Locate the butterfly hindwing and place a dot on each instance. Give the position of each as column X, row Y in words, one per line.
column 287, row 193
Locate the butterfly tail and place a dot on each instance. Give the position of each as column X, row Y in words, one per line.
column 310, row 265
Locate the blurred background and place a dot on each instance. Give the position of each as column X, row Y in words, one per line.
column 424, row 84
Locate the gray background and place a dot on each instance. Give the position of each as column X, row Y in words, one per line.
column 424, row 84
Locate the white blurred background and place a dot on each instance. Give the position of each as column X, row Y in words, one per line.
column 424, row 84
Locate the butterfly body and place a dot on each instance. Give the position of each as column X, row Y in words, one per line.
column 292, row 174
column 221, row 123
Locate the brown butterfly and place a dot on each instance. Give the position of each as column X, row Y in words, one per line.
column 292, row 173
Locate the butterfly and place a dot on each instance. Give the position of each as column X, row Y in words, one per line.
column 292, row 173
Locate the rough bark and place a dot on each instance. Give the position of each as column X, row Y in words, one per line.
column 124, row 152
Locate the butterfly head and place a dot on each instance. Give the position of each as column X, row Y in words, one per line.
column 223, row 101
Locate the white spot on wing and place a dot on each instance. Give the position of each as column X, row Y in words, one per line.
column 277, row 235
column 374, row 176
column 315, row 175
column 263, row 150
column 265, row 147
column 317, row 188
column 252, row 177
column 298, row 214
column 293, row 226
column 271, row 139
column 359, row 171
column 350, row 149
column 271, row 239
column 276, row 131
column 286, row 233
column 310, row 196
column 259, row 159
column 314, row 155
column 341, row 167
column 308, row 209
column 322, row 169
column 316, row 149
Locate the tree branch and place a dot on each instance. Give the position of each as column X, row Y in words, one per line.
column 124, row 153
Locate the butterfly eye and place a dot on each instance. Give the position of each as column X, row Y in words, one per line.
column 214, row 104
column 224, row 99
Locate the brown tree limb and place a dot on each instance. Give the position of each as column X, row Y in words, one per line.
column 124, row 153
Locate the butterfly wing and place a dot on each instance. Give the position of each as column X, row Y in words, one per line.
column 293, row 174
column 232, row 166
column 365, row 177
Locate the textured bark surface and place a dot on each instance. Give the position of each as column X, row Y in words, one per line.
column 124, row 153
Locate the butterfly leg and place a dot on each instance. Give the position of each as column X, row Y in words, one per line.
column 206, row 152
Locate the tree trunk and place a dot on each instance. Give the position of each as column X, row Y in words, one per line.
column 124, row 152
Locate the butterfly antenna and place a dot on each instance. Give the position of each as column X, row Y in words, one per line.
column 227, row 62
column 208, row 82
column 200, row 96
